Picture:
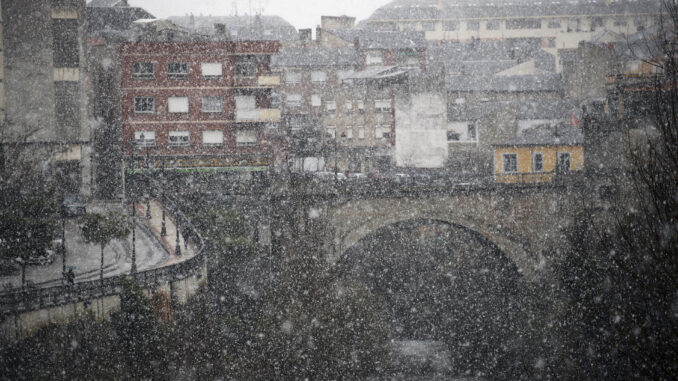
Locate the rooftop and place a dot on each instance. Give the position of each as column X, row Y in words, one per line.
column 547, row 135
column 273, row 28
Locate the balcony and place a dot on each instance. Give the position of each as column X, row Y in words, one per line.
column 268, row 80
column 258, row 115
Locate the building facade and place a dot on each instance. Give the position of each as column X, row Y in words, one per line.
column 199, row 105
column 45, row 89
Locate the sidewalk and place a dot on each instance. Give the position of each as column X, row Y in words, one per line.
column 152, row 251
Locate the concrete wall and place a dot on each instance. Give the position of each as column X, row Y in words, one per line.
column 421, row 131
column 20, row 325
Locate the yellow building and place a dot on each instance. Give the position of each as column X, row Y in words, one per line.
column 539, row 154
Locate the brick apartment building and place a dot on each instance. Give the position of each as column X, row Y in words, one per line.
column 199, row 104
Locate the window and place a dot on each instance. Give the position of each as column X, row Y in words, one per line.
column 315, row 100
column 177, row 70
column 493, row 25
column 453, row 136
column 408, row 58
column 471, row 132
column 554, row 24
column 450, row 25
column 245, row 68
column 596, row 22
column 330, row 132
column 620, row 21
column 66, row 49
column 177, row 104
column 523, row 24
column 573, row 25
column 318, row 76
column 144, row 105
column 210, row 69
column 212, row 104
column 331, row 107
column 246, row 138
column 212, row 138
column 382, row 105
column 373, row 58
column 640, row 23
column 551, row 42
column 143, row 70
column 245, row 107
column 382, row 132
column 144, row 138
column 179, row 139
column 428, row 26
column 361, row 107
column 472, row 25
column 361, row 132
column 293, row 100
column 349, row 132
column 563, row 162
column 348, row 106
column 509, row 162
column 293, row 77
column 538, row 162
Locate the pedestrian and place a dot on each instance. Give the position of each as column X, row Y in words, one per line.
column 70, row 277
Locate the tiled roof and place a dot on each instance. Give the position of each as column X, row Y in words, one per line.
column 380, row 39
column 473, row 111
column 339, row 57
column 458, row 9
column 547, row 135
column 107, row 3
column 241, row 27
column 509, row 83
column 113, row 19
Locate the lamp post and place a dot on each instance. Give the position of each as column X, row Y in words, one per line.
column 163, row 230
column 336, row 154
column 147, row 167
column 133, row 269
column 177, row 248
column 63, row 243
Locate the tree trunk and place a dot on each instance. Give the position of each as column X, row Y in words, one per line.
column 23, row 275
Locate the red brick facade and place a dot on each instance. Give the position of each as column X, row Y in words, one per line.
column 194, row 86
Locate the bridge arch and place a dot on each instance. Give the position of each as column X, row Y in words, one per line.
column 357, row 219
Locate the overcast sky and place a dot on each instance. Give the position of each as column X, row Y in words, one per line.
column 300, row 13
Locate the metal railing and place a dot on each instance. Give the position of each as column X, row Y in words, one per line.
column 34, row 298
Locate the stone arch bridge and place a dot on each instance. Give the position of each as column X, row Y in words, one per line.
column 526, row 222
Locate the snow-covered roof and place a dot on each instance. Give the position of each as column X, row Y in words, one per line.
column 320, row 57
column 374, row 72
column 113, row 18
column 508, row 83
column 258, row 27
column 547, row 135
column 107, row 3
column 461, row 9
column 381, row 39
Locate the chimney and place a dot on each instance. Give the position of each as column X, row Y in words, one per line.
column 222, row 33
column 305, row 34
column 318, row 33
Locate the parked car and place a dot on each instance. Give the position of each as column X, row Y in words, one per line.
column 329, row 176
column 74, row 206
column 47, row 256
column 357, row 176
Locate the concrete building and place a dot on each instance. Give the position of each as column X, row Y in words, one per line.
column 308, row 74
column 199, row 105
column 539, row 154
column 109, row 24
column 45, row 89
column 558, row 24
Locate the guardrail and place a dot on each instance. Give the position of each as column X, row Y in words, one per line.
column 29, row 299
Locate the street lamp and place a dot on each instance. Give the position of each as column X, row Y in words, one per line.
column 63, row 243
column 134, row 239
column 163, row 230
column 147, row 166
column 336, row 154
